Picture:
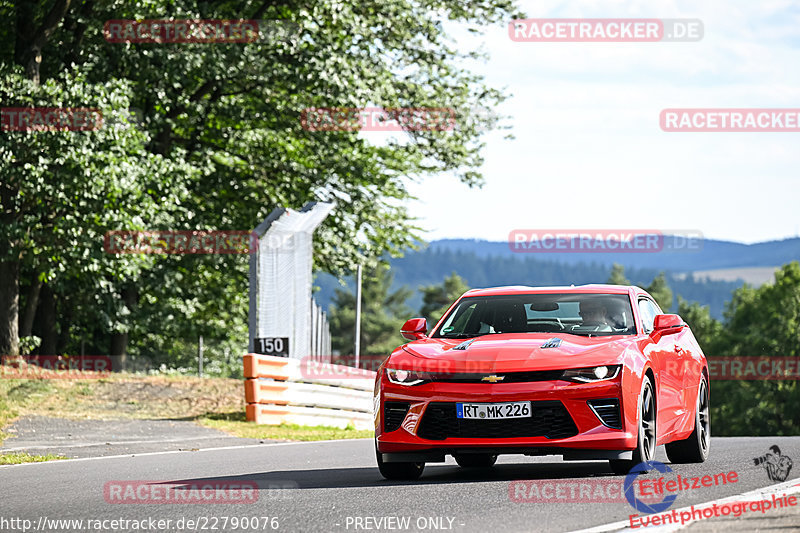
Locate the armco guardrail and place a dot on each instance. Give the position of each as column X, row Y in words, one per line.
column 279, row 390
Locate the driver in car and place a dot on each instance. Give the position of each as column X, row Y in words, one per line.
column 595, row 314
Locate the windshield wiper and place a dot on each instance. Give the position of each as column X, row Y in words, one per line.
column 584, row 334
column 464, row 335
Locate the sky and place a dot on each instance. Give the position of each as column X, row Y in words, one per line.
column 589, row 152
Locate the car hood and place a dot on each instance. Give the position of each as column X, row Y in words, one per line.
column 510, row 352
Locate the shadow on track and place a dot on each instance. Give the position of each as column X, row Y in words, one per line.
column 331, row 478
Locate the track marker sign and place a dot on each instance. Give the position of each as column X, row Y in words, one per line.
column 272, row 346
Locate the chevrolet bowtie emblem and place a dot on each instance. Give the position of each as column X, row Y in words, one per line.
column 493, row 378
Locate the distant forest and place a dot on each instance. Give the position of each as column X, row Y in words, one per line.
column 433, row 264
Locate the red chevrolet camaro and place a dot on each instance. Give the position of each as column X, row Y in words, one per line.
column 594, row 372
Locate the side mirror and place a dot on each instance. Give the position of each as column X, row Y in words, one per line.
column 668, row 324
column 414, row 329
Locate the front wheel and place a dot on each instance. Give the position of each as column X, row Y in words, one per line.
column 694, row 448
column 646, row 443
column 398, row 471
column 475, row 460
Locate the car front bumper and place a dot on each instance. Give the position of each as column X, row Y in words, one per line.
column 564, row 423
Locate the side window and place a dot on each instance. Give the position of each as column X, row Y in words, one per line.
column 647, row 312
column 656, row 309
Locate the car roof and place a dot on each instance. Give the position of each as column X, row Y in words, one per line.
column 594, row 288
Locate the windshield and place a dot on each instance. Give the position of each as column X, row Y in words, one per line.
column 576, row 314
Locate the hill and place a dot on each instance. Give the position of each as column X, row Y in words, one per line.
column 485, row 264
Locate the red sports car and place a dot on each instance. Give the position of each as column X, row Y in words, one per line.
column 589, row 372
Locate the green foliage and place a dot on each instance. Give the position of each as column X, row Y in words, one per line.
column 382, row 315
column 761, row 322
column 617, row 276
column 705, row 328
column 16, row 458
column 220, row 144
column 436, row 299
column 660, row 291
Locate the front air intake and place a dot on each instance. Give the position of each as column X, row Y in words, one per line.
column 393, row 415
column 607, row 411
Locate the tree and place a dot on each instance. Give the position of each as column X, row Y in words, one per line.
column 382, row 315
column 660, row 291
column 220, row 144
column 617, row 276
column 436, row 299
column 762, row 321
column 706, row 329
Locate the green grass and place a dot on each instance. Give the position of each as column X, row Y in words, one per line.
column 17, row 458
column 7, row 412
column 236, row 425
column 212, row 402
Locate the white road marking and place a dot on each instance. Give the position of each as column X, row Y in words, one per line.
column 63, row 461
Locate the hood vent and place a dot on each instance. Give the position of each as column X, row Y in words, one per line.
column 464, row 345
column 555, row 342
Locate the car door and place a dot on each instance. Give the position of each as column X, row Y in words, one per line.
column 690, row 359
column 666, row 364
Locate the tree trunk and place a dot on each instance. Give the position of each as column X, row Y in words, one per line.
column 119, row 340
column 31, row 40
column 48, row 321
column 9, row 308
column 29, row 311
column 64, row 311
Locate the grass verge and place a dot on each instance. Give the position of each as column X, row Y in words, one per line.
column 216, row 403
column 236, row 425
column 17, row 458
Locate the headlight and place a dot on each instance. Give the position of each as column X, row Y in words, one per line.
column 407, row 377
column 590, row 375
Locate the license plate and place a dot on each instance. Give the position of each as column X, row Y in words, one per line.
column 493, row 411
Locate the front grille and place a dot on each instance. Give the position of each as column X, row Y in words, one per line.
column 393, row 415
column 550, row 419
column 508, row 377
column 608, row 412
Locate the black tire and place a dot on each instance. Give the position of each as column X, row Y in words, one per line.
column 475, row 460
column 646, row 442
column 398, row 471
column 694, row 448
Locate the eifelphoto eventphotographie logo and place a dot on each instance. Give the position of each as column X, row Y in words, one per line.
column 668, row 488
column 775, row 463
column 609, row 30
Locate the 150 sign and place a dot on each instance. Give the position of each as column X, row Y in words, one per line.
column 272, row 346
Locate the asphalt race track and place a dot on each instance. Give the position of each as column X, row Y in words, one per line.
column 335, row 486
